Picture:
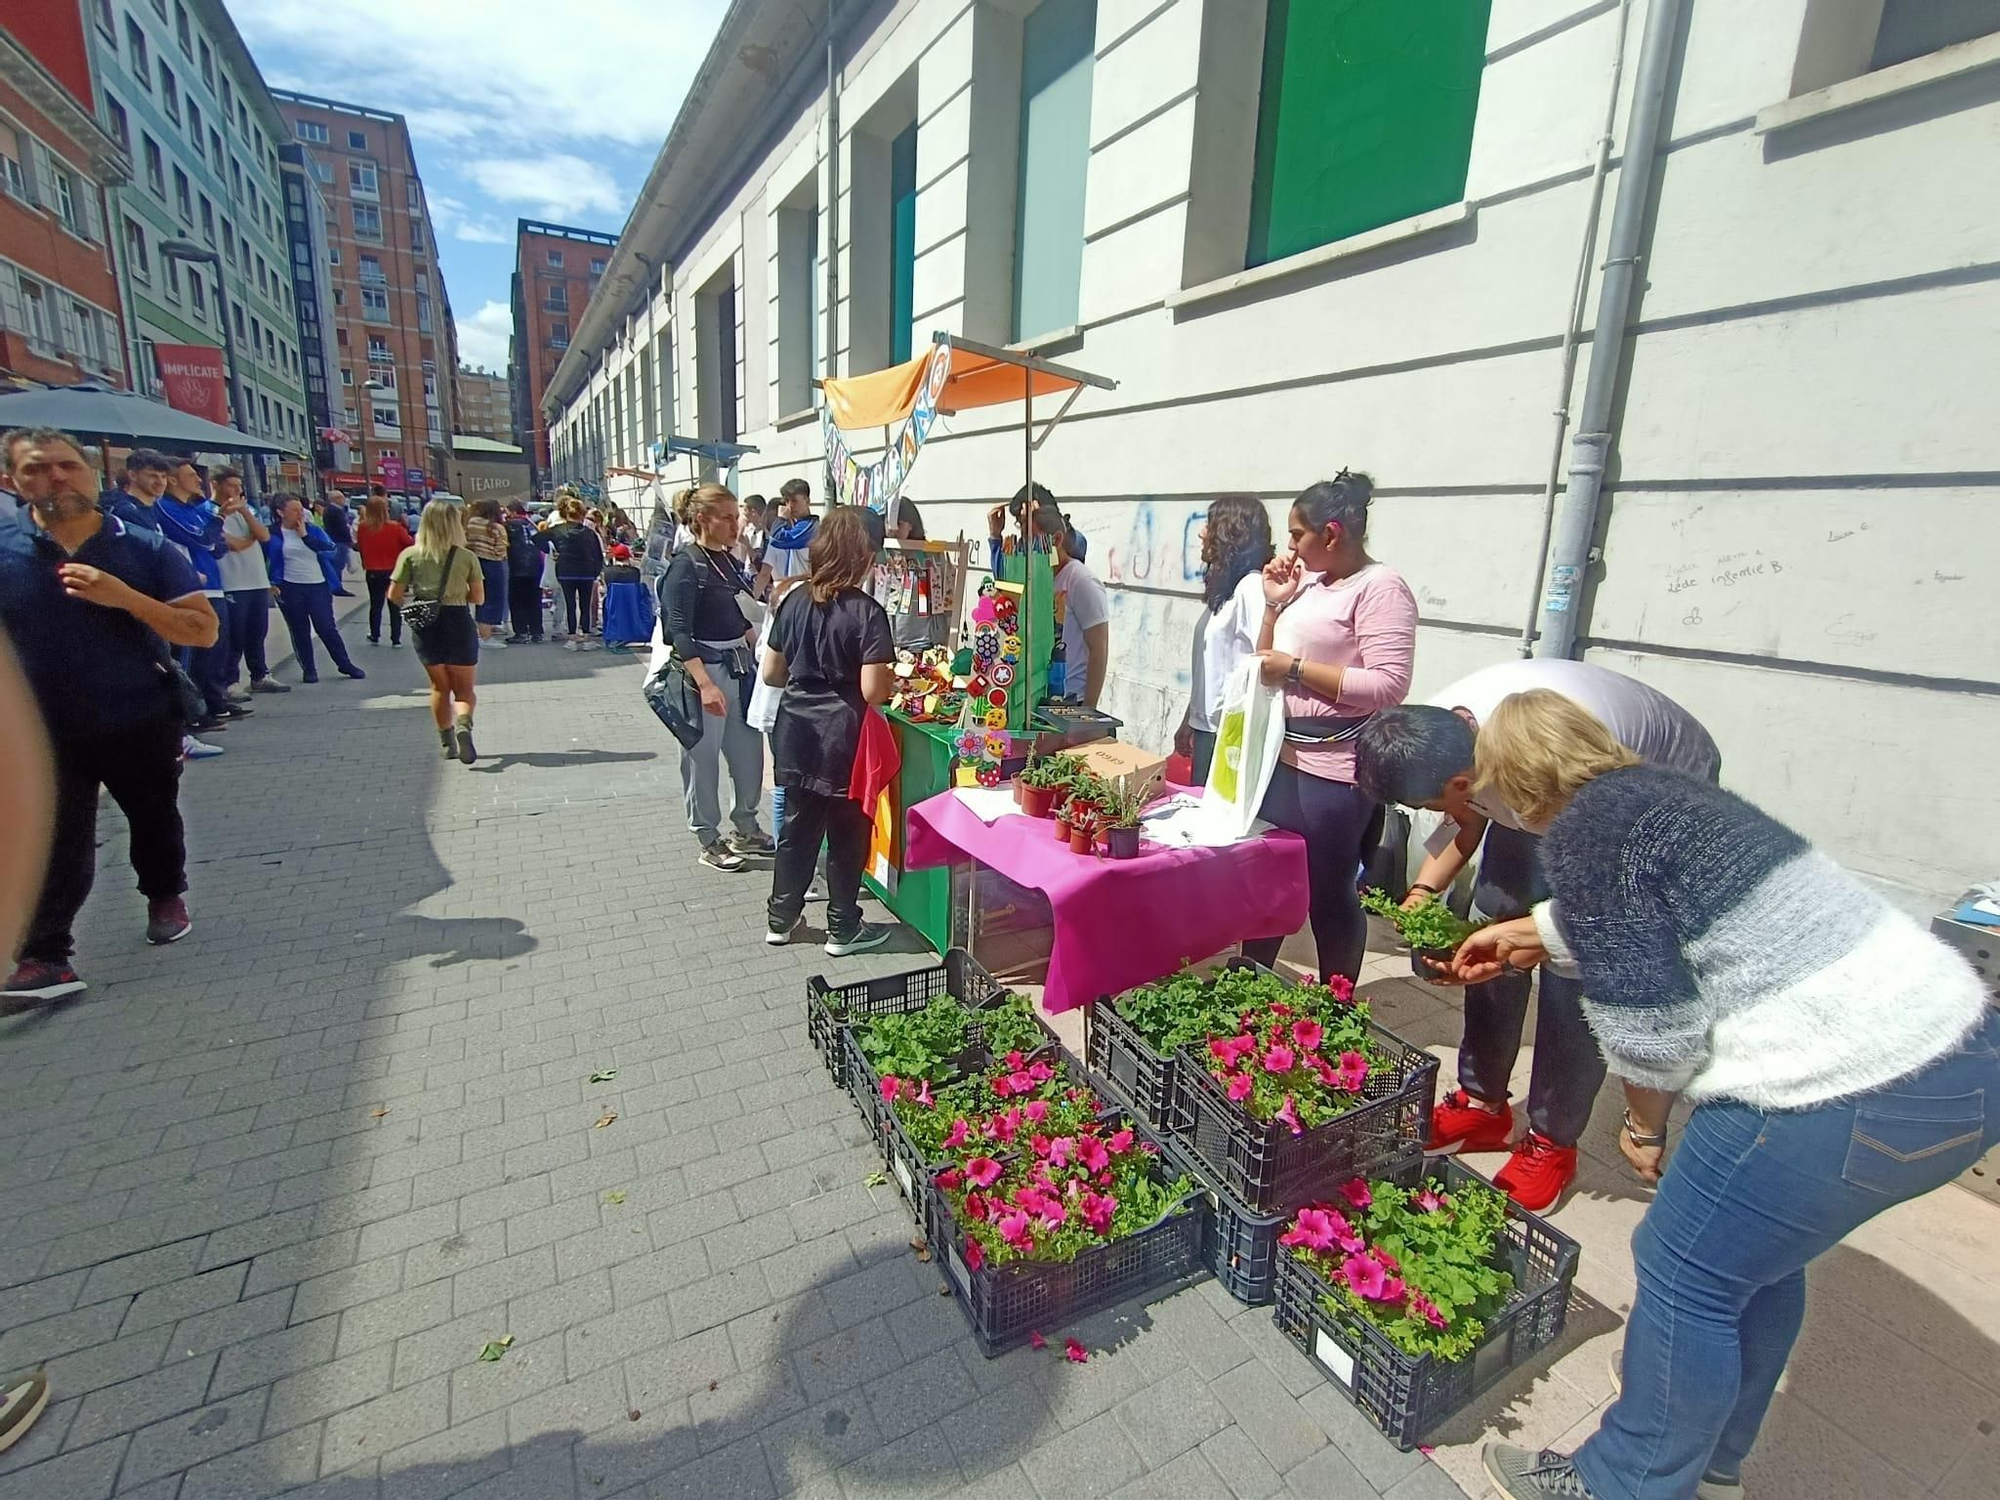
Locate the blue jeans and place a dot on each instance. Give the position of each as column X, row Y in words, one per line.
column 249, row 621
column 212, row 667
column 1749, row 1199
column 308, row 607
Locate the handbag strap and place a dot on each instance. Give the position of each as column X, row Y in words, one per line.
column 444, row 576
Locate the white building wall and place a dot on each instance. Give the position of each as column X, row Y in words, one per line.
column 1799, row 525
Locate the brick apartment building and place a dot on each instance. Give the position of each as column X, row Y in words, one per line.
column 59, row 298
column 395, row 349
column 485, row 405
column 556, row 268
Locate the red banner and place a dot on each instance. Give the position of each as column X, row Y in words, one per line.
column 194, row 379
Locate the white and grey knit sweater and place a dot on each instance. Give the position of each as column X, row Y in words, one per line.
column 1724, row 958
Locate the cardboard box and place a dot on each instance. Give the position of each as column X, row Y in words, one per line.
column 1113, row 759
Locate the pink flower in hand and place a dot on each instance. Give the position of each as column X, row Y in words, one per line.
column 1353, row 1071
column 1241, row 1086
column 982, row 1171
column 1355, row 1191
column 1279, row 1060
column 1037, row 1110
column 1307, row 1034
column 1035, row 1339
column 1075, row 1353
column 1288, row 1116
column 1120, row 1142
column 889, row 1087
column 975, row 1254
column 956, row 1136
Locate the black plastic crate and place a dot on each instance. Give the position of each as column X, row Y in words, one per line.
column 1407, row 1395
column 1126, row 1065
column 1004, row 1304
column 1273, row 1171
column 828, row 1006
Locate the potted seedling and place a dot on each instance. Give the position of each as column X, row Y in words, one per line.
column 1432, row 929
column 1083, row 828
column 1121, row 831
column 1043, row 782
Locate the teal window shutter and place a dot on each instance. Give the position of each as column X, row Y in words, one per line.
column 902, row 242
column 1058, row 55
column 1365, row 117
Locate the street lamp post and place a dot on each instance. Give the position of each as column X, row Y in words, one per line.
column 239, row 403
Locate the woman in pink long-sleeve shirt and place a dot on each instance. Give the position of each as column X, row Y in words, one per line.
column 1339, row 633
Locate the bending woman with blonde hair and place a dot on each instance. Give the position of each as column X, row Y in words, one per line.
column 1840, row 1059
column 440, row 568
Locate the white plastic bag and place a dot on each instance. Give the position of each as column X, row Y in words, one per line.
column 1248, row 736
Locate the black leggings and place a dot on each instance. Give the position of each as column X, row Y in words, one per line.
column 578, row 596
column 1340, row 824
column 378, row 595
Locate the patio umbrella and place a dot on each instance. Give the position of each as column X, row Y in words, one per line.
column 101, row 414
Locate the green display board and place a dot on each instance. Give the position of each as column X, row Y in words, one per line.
column 920, row 898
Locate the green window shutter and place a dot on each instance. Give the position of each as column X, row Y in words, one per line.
column 1058, row 53
column 1365, row 118
column 903, row 242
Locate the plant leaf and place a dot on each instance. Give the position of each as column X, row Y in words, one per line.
column 919, row 1244
column 605, row 1119
column 604, row 1075
column 615, row 1196
column 876, row 1178
column 492, row 1349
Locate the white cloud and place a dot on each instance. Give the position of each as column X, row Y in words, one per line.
column 556, row 186
column 482, row 338
column 497, row 70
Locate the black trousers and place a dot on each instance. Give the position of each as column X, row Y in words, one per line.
column 844, row 824
column 1340, row 824
column 378, row 598
column 579, row 598
column 141, row 768
column 524, row 604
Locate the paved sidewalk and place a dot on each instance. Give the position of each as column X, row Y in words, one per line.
column 270, row 1191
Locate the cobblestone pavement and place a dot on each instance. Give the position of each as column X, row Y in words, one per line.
column 270, row 1191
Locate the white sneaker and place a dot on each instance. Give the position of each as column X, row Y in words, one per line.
column 572, row 644
column 493, row 641
column 194, row 749
column 237, row 693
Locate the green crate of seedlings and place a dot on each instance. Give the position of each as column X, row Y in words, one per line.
column 1432, row 930
column 830, row 1006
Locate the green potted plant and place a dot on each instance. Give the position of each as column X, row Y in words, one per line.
column 1084, row 824
column 1043, row 782
column 1432, row 929
column 1121, row 823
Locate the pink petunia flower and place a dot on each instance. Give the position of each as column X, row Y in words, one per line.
column 951, row 1179
column 1052, row 1212
column 1061, row 1149
column 1241, row 1086
column 1014, row 1060
column 1097, row 1209
column 982, row 1171
column 1003, row 1126
column 1393, row 1289
column 1075, row 1353
column 1344, row 1234
column 1312, row 1228
column 1003, row 1086
column 1092, row 1153
column 1014, row 1230
column 1036, row 1110
column 1279, row 1008
column 1288, row 1115
column 1342, row 987
column 1364, row 1276
column 1240, row 1047
column 1353, row 1071
column 1035, row 1339
column 975, row 1254
column 889, row 1087
column 1040, row 1146
column 1040, row 1072
column 1324, row 1071
column 924, row 1095
column 1280, row 1060
column 975, row 1206
column 1355, row 1191
column 1120, row 1142
column 1022, row 1082
column 1307, row 1034
column 956, row 1136
column 1426, row 1309
column 1428, row 1202
column 1221, row 1050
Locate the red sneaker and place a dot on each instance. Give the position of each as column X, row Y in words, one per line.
column 167, row 920
column 1537, row 1172
column 1457, row 1124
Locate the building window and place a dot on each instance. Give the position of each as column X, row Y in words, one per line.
column 1846, row 40
column 902, row 243
column 555, row 259
column 194, row 127
column 597, row 265
column 121, row 123
column 1365, row 117
column 183, row 196
column 35, row 314
column 138, row 259
column 15, row 163
column 362, row 179
column 136, row 56
column 333, row 255
column 236, row 314
column 558, row 335
column 367, row 222
column 417, row 243
column 207, row 219
column 207, row 66
column 323, row 170
column 236, row 180
column 346, row 376
column 556, row 298
column 228, row 240
column 106, row 22
column 357, row 140
column 197, row 292
column 374, row 304
column 798, row 299
column 371, row 271
column 311, row 131
column 156, row 171
column 182, row 32
column 171, row 270
column 1058, row 52
column 170, row 92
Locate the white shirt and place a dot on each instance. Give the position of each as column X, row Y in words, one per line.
column 1085, row 606
column 1223, row 638
column 301, row 562
column 1643, row 719
column 242, row 570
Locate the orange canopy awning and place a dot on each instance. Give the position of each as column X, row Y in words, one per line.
column 975, row 380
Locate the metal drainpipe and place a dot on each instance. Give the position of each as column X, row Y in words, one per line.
column 832, row 199
column 1590, row 449
column 1572, row 326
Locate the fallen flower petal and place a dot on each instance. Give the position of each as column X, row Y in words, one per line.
column 1075, row 1353
column 1035, row 1339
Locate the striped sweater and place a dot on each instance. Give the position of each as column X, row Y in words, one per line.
column 1725, row 959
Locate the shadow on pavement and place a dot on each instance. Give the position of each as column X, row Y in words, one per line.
column 557, row 760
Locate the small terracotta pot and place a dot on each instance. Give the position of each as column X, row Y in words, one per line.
column 1062, row 828
column 1081, row 840
column 1038, row 801
column 1018, row 790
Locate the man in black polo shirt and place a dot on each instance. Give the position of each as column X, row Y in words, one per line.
column 92, row 607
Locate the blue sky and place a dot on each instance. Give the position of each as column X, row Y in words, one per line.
column 543, row 109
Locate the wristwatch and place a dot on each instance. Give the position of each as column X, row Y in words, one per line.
column 1293, row 675
column 1418, row 885
column 1640, row 1138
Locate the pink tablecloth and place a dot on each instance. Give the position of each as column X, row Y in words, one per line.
column 1123, row 922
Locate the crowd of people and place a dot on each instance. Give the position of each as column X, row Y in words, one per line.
column 1839, row 1059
